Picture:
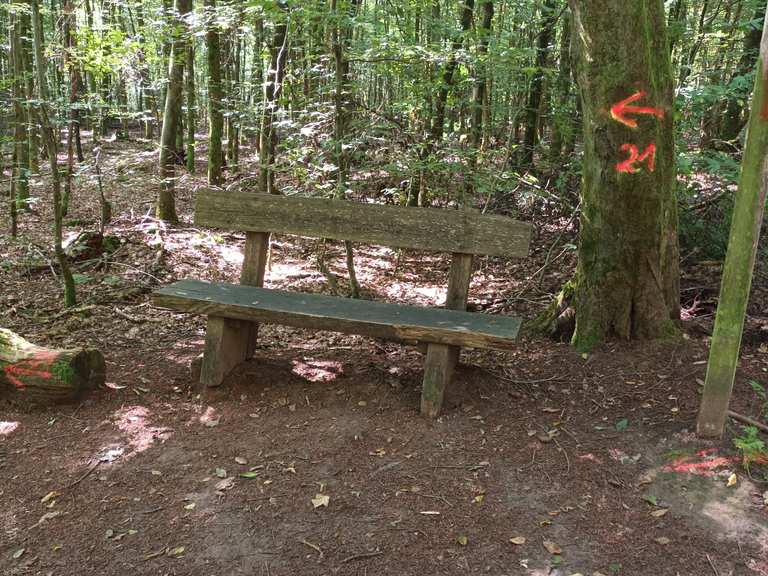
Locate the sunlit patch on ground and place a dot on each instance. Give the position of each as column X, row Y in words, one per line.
column 317, row 370
column 133, row 421
column 7, row 428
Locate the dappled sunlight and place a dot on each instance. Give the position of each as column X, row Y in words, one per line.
column 7, row 428
column 133, row 422
column 317, row 370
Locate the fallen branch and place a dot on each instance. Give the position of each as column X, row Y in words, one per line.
column 747, row 420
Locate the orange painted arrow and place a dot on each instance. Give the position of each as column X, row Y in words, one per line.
column 619, row 110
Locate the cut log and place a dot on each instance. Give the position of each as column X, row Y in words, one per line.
column 44, row 376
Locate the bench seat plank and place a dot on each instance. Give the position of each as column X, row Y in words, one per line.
column 315, row 311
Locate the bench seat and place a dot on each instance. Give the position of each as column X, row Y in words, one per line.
column 320, row 312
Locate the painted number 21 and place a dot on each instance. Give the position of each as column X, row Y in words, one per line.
column 630, row 165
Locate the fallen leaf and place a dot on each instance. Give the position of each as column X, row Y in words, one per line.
column 652, row 500
column 622, row 424
column 518, row 540
column 225, row 484
column 18, row 554
column 51, row 495
column 552, row 547
column 462, row 540
column 176, row 552
column 221, row 473
column 732, row 480
column 320, row 500
column 190, row 506
column 156, row 473
column 241, row 460
column 660, row 512
column 248, row 474
column 479, row 498
column 47, row 516
column 663, row 540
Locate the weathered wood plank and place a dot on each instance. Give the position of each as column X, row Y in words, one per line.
column 441, row 360
column 226, row 342
column 376, row 319
column 428, row 229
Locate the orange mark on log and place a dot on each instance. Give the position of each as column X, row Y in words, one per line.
column 31, row 367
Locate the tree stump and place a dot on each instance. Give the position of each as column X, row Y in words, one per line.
column 44, row 376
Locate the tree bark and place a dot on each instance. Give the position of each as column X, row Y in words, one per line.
column 627, row 280
column 44, row 376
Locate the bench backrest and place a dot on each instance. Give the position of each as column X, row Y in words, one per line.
column 428, row 229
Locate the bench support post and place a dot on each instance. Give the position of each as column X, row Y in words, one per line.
column 441, row 359
column 255, row 257
column 226, row 343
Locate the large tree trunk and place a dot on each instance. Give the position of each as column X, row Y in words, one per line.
column 45, row 376
column 627, row 281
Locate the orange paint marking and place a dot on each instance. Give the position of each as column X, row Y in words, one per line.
column 621, row 109
column 628, row 166
column 703, row 464
column 35, row 366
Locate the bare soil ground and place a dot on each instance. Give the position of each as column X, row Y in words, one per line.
column 313, row 459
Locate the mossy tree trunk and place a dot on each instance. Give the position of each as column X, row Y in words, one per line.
column 627, row 280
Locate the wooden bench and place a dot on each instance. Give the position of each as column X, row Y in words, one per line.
column 234, row 310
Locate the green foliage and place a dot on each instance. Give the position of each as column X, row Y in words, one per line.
column 762, row 394
column 749, row 445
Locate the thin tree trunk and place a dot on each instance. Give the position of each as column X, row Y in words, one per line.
column 273, row 88
column 189, row 71
column 533, row 108
column 166, row 205
column 215, row 98
column 50, row 140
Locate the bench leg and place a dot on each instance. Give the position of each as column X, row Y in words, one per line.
column 438, row 370
column 226, row 346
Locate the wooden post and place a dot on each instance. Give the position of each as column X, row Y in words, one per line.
column 740, row 259
column 225, row 348
column 254, row 267
column 441, row 359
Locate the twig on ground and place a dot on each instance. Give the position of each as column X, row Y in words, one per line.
column 85, row 474
column 362, row 556
column 314, row 547
column 712, row 565
column 747, row 420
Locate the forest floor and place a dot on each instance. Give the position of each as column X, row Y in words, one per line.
column 313, row 459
